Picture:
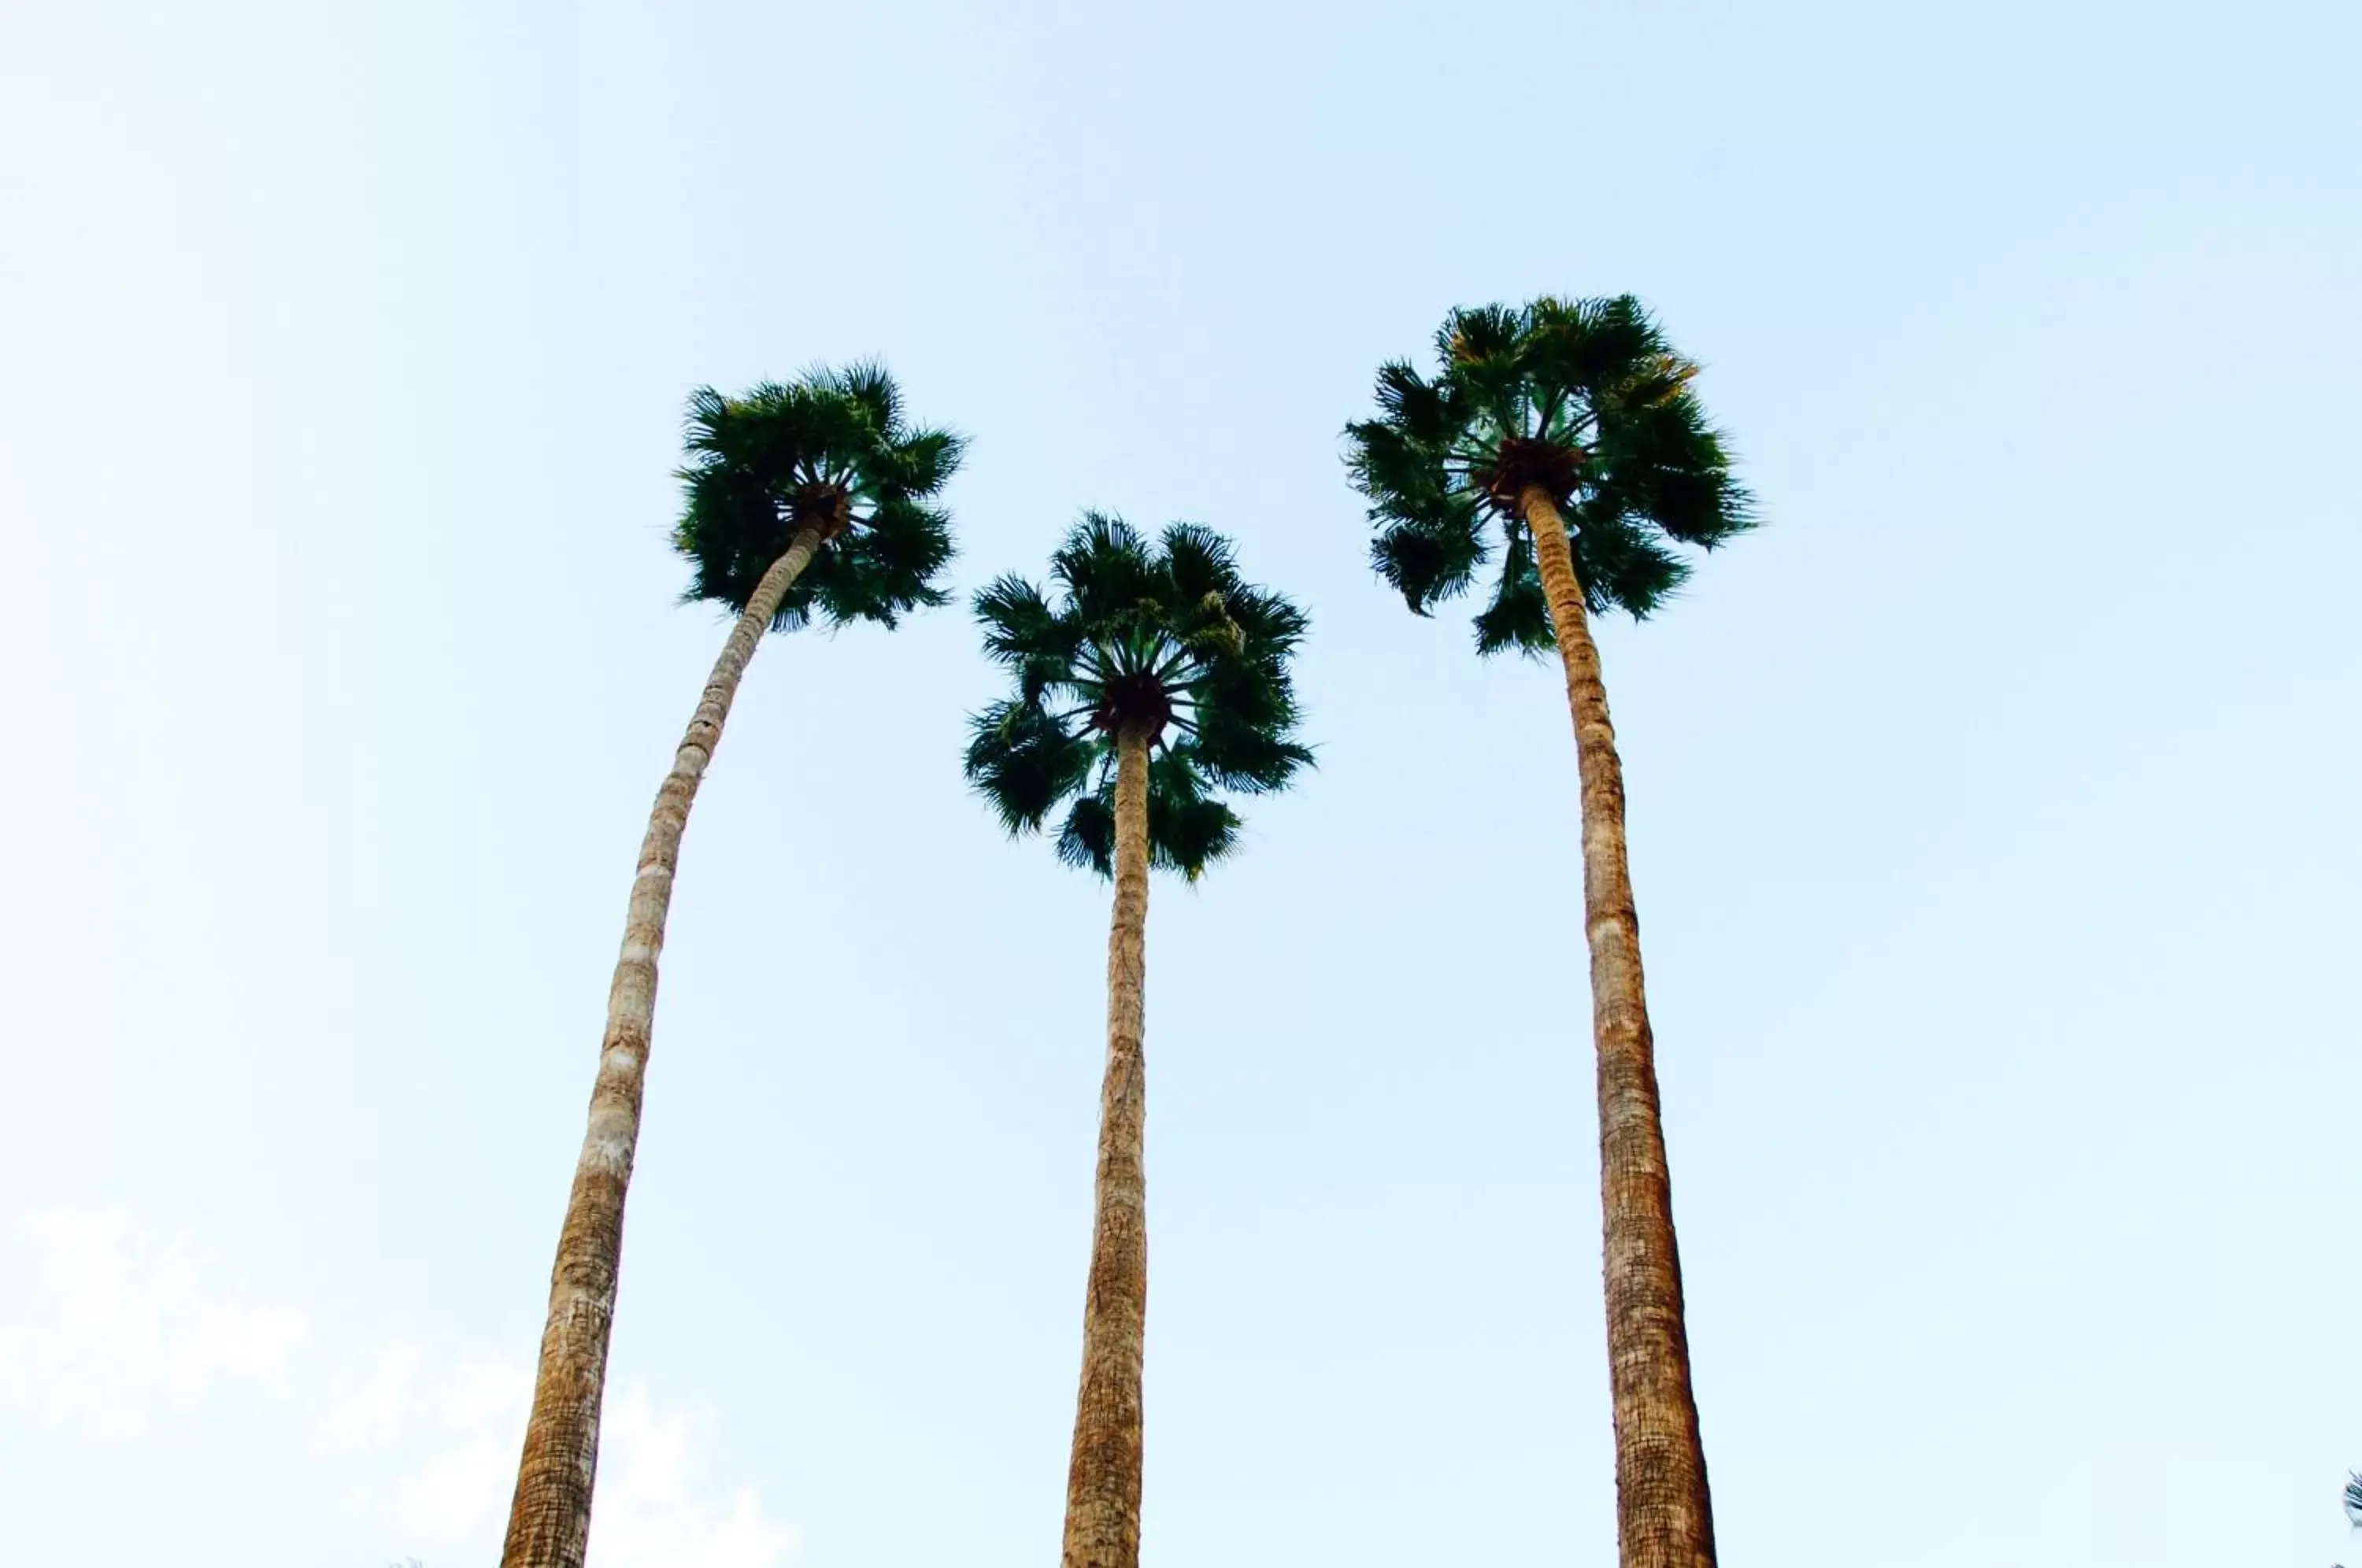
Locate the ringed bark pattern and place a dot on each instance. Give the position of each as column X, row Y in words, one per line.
column 1664, row 1518
column 549, row 1516
column 1103, row 1476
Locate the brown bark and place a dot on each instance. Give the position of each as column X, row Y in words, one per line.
column 550, row 1520
column 1664, row 1516
column 1103, row 1479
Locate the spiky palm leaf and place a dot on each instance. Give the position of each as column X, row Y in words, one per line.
column 832, row 449
column 1164, row 635
column 1582, row 398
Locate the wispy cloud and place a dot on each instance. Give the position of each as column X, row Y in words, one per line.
column 657, row 1507
column 124, row 1327
column 438, row 1438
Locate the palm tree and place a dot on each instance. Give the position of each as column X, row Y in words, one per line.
column 1556, row 413
column 805, row 499
column 1154, row 680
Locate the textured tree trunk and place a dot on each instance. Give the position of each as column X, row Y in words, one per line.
column 1663, row 1518
column 1103, row 1479
column 549, row 1521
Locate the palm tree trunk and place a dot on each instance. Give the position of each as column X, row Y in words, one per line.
column 1664, row 1516
column 1103, row 1479
column 549, row 1521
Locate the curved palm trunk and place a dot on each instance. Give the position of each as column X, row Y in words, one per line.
column 549, row 1521
column 1103, row 1477
column 1664, row 1516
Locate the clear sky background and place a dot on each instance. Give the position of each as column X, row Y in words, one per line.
column 1993, row 810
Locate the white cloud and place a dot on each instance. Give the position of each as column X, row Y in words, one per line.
column 654, row 1510
column 372, row 1403
column 123, row 1327
column 442, row 1438
column 450, row 1435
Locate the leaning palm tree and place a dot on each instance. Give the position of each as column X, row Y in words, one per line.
column 1571, row 428
column 1152, row 680
column 805, row 499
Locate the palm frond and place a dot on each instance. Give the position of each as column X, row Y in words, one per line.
column 1431, row 561
column 1622, row 564
column 1162, row 635
column 1518, row 618
column 1023, row 760
column 1583, row 398
column 765, row 463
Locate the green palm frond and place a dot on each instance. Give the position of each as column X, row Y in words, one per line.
column 1187, row 830
column 832, row 448
column 1518, row 617
column 1583, row 398
column 1161, row 635
column 1024, row 761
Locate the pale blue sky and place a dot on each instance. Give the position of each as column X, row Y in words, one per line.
column 1992, row 811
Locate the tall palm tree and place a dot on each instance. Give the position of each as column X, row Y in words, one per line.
column 1540, row 417
column 1153, row 679
column 804, row 499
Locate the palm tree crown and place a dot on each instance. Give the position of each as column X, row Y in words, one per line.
column 1582, row 400
column 831, row 451
column 1162, row 640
